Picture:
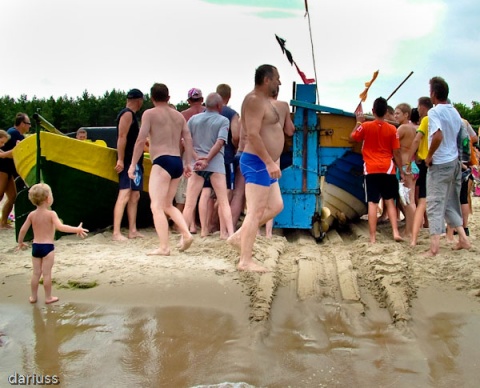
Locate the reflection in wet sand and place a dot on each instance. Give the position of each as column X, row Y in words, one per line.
column 304, row 344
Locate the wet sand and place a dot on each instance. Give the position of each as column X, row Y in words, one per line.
column 340, row 313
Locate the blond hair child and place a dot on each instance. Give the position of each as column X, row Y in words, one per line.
column 44, row 222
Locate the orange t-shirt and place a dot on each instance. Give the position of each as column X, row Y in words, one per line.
column 379, row 140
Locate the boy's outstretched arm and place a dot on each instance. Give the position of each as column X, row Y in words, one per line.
column 60, row 226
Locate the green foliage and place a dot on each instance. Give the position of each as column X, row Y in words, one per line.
column 472, row 115
column 68, row 114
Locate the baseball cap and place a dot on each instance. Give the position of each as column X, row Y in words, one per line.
column 195, row 93
column 134, row 93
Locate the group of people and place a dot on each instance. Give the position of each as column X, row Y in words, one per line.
column 190, row 147
column 424, row 157
column 209, row 146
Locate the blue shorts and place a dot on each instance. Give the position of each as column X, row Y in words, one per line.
column 254, row 170
column 41, row 250
column 124, row 181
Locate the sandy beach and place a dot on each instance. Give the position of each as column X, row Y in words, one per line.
column 338, row 312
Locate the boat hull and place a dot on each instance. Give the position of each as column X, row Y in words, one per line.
column 82, row 177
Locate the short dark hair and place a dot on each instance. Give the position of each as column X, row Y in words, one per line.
column 439, row 88
column 380, row 106
column 20, row 118
column 159, row 92
column 263, row 71
column 426, row 102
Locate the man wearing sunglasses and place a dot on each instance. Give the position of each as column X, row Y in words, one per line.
column 7, row 167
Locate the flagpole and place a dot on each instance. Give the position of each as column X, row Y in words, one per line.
column 313, row 52
column 399, row 86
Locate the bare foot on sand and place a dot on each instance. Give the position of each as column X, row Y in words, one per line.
column 135, row 234
column 159, row 252
column 6, row 226
column 429, row 253
column 31, row 299
column 398, row 238
column 52, row 299
column 234, row 240
column 462, row 245
column 119, row 237
column 252, row 267
column 185, row 243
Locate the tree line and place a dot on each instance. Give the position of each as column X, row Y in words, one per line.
column 68, row 114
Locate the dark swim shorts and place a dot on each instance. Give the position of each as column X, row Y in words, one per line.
column 41, row 250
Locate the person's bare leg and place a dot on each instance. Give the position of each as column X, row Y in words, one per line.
column 449, row 235
column 194, row 187
column 372, row 220
column 418, row 220
column 11, row 194
column 132, row 209
column 392, row 215
column 224, row 211
column 409, row 210
column 177, row 217
column 434, row 245
column 237, row 204
column 37, row 273
column 158, row 188
column 257, row 197
column 269, row 229
column 118, row 210
column 463, row 242
column 203, row 211
column 47, row 264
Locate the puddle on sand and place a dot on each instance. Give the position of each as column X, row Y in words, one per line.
column 305, row 344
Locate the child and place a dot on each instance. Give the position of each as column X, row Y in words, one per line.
column 44, row 222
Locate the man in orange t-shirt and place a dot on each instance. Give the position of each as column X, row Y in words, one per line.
column 381, row 155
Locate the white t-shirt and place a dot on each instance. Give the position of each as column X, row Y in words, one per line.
column 444, row 117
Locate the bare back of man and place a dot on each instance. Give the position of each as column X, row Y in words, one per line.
column 264, row 144
column 165, row 127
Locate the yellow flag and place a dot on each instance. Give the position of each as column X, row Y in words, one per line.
column 363, row 95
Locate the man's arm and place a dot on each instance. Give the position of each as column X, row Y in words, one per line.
column 140, row 143
column 202, row 163
column 188, row 149
column 123, row 128
column 437, row 139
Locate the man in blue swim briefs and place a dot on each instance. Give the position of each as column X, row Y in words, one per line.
column 264, row 145
column 165, row 127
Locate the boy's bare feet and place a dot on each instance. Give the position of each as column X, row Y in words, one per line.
column 31, row 299
column 52, row 299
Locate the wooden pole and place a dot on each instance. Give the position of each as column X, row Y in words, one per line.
column 399, row 86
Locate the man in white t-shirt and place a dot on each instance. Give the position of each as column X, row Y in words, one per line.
column 444, row 168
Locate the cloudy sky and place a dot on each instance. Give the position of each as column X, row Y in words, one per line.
column 60, row 47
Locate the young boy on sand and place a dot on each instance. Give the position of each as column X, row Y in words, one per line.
column 44, row 222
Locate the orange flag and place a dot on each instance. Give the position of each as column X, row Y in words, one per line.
column 363, row 95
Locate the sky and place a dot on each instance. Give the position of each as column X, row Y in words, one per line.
column 59, row 47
